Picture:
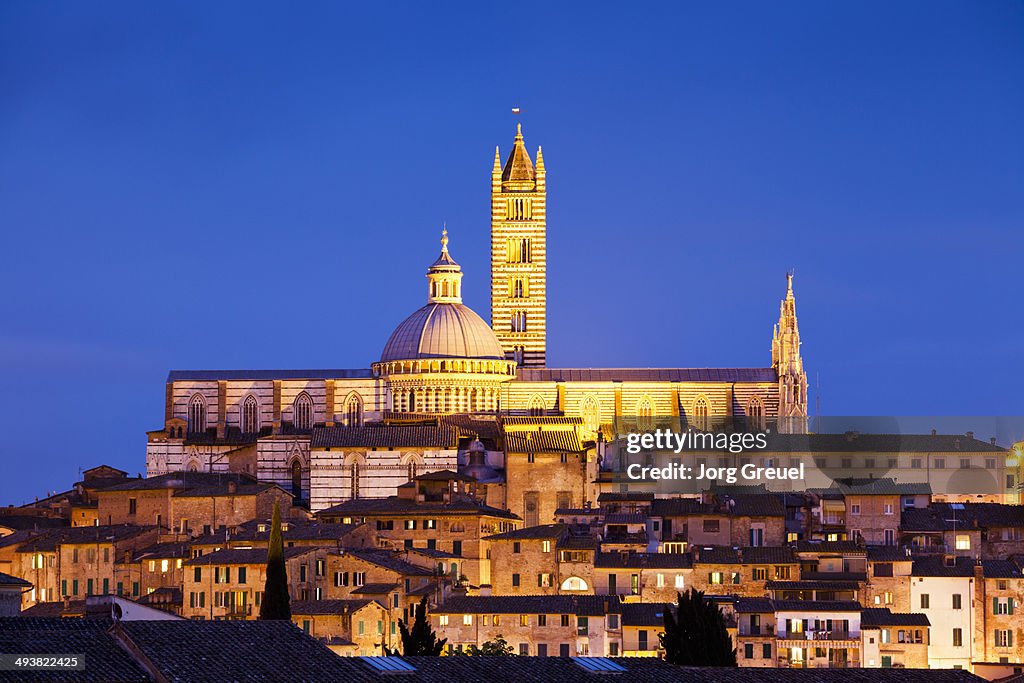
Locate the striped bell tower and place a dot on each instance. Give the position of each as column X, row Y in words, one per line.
column 519, row 254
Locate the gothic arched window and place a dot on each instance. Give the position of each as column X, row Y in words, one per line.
column 250, row 415
column 755, row 414
column 644, row 413
column 302, row 411
column 354, row 411
column 197, row 414
column 700, row 413
column 537, row 406
column 297, row 479
column 590, row 413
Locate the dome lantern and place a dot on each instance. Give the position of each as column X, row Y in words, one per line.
column 444, row 276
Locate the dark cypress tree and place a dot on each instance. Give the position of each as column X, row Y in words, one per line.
column 696, row 634
column 420, row 640
column 276, row 604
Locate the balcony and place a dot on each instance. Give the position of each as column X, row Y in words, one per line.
column 828, row 639
column 755, row 631
column 238, row 612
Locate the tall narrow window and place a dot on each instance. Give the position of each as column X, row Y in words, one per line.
column 700, row 413
column 519, row 287
column 755, row 414
column 644, row 419
column 250, row 415
column 303, row 411
column 518, row 321
column 518, row 353
column 197, row 414
column 590, row 413
column 297, row 479
column 354, row 411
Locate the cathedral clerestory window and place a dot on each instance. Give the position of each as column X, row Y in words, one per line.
column 250, row 415
column 197, row 414
column 302, row 412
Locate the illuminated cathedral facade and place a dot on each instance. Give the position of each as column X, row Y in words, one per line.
column 452, row 392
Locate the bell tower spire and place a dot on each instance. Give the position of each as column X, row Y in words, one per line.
column 789, row 365
column 519, row 254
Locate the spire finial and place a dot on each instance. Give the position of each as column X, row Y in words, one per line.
column 444, row 236
column 519, row 130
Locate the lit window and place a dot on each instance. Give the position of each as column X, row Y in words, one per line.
column 165, row 565
column 963, row 542
column 443, row 620
column 546, row 546
column 467, row 619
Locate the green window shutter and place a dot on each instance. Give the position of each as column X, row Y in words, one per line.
column 995, row 605
column 1009, row 638
column 63, row 587
column 1009, row 605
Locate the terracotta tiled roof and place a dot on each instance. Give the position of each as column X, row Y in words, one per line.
column 615, row 560
column 882, row 616
column 8, row 580
column 376, row 507
column 301, row 607
column 389, row 560
column 543, row 441
column 531, row 533
column 582, row 605
column 385, row 436
column 105, row 661
column 244, row 556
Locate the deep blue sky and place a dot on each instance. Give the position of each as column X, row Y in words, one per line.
column 230, row 185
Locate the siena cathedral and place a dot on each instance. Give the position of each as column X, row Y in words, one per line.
column 450, row 392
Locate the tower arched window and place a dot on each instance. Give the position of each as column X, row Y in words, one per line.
column 519, row 287
column 297, row 479
column 302, row 411
column 700, row 414
column 755, row 414
column 250, row 415
column 644, row 413
column 197, row 414
column 354, row 411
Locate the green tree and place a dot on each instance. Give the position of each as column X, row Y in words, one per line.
column 696, row 635
column 276, row 604
column 420, row 640
column 498, row 647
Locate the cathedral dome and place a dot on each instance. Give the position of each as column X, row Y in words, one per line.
column 442, row 330
column 445, row 327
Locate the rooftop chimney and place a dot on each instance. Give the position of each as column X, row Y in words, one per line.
column 970, row 435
